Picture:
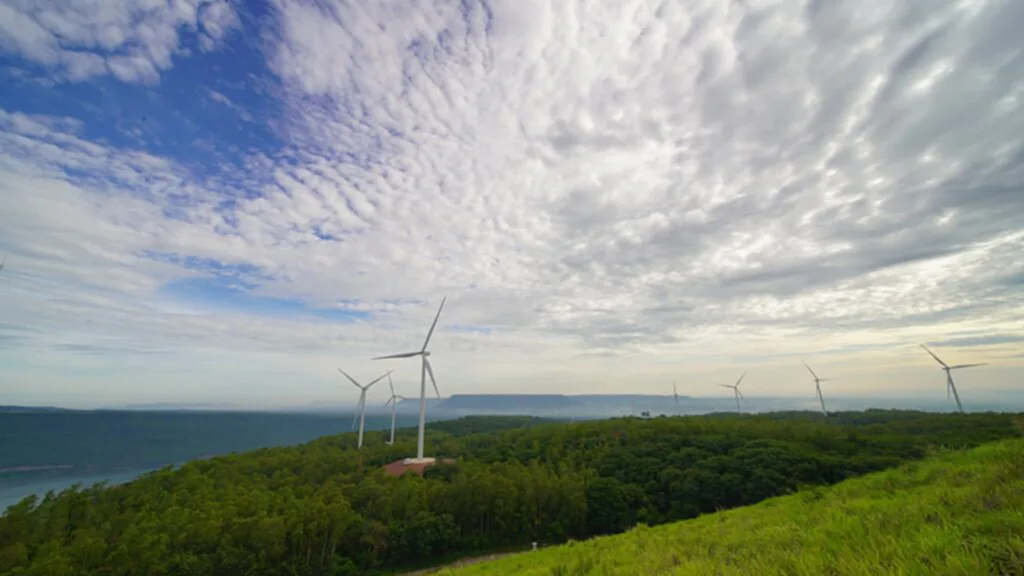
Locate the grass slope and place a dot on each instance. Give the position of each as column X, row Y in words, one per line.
column 959, row 513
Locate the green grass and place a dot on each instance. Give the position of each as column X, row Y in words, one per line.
column 958, row 513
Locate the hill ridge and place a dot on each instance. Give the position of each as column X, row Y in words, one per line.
column 907, row 520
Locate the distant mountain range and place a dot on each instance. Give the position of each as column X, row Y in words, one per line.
column 564, row 406
column 554, row 404
column 12, row 409
column 170, row 406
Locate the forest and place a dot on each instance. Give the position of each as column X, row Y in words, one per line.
column 324, row 508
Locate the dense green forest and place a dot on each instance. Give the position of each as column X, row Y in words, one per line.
column 324, row 508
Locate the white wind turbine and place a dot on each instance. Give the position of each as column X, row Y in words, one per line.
column 950, row 386
column 361, row 415
column 394, row 406
column 675, row 394
column 817, row 388
column 425, row 369
column 736, row 390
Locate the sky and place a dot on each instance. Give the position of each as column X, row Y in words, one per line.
column 220, row 201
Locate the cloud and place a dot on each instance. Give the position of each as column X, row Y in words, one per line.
column 135, row 41
column 612, row 193
column 225, row 101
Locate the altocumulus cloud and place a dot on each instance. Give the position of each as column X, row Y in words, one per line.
column 601, row 189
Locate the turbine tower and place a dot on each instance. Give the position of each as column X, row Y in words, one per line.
column 736, row 391
column 675, row 395
column 817, row 388
column 425, row 369
column 394, row 406
column 950, row 386
column 361, row 415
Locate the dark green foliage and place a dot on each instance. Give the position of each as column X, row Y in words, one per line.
column 323, row 508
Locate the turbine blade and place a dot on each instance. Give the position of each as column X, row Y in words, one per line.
column 351, row 379
column 968, row 365
column 740, row 394
column 726, row 386
column 391, row 384
column 405, row 355
column 932, row 354
column 432, row 326
column 809, row 370
column 379, row 378
column 741, row 379
column 388, row 403
column 430, row 371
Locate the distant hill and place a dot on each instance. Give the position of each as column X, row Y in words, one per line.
column 18, row 409
column 506, row 403
column 159, row 406
column 561, row 404
column 905, row 521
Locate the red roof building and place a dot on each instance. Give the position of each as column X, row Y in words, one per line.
column 413, row 465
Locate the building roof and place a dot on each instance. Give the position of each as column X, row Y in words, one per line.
column 412, row 465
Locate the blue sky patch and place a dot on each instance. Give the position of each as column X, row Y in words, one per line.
column 208, row 112
column 225, row 293
column 467, row 329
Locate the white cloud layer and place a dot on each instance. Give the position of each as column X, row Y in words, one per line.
column 135, row 40
column 621, row 192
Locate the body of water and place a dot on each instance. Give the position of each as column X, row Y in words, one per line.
column 12, row 494
column 41, row 451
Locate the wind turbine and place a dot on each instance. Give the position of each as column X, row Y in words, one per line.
column 675, row 395
column 394, row 406
column 736, row 391
column 424, row 370
column 361, row 415
column 950, row 386
column 817, row 388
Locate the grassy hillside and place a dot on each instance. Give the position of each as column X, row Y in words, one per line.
column 961, row 513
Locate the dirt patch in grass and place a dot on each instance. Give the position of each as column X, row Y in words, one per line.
column 460, row 563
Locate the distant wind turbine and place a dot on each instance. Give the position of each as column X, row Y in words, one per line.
column 736, row 390
column 361, row 415
column 394, row 406
column 817, row 388
column 950, row 386
column 425, row 369
column 675, row 394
